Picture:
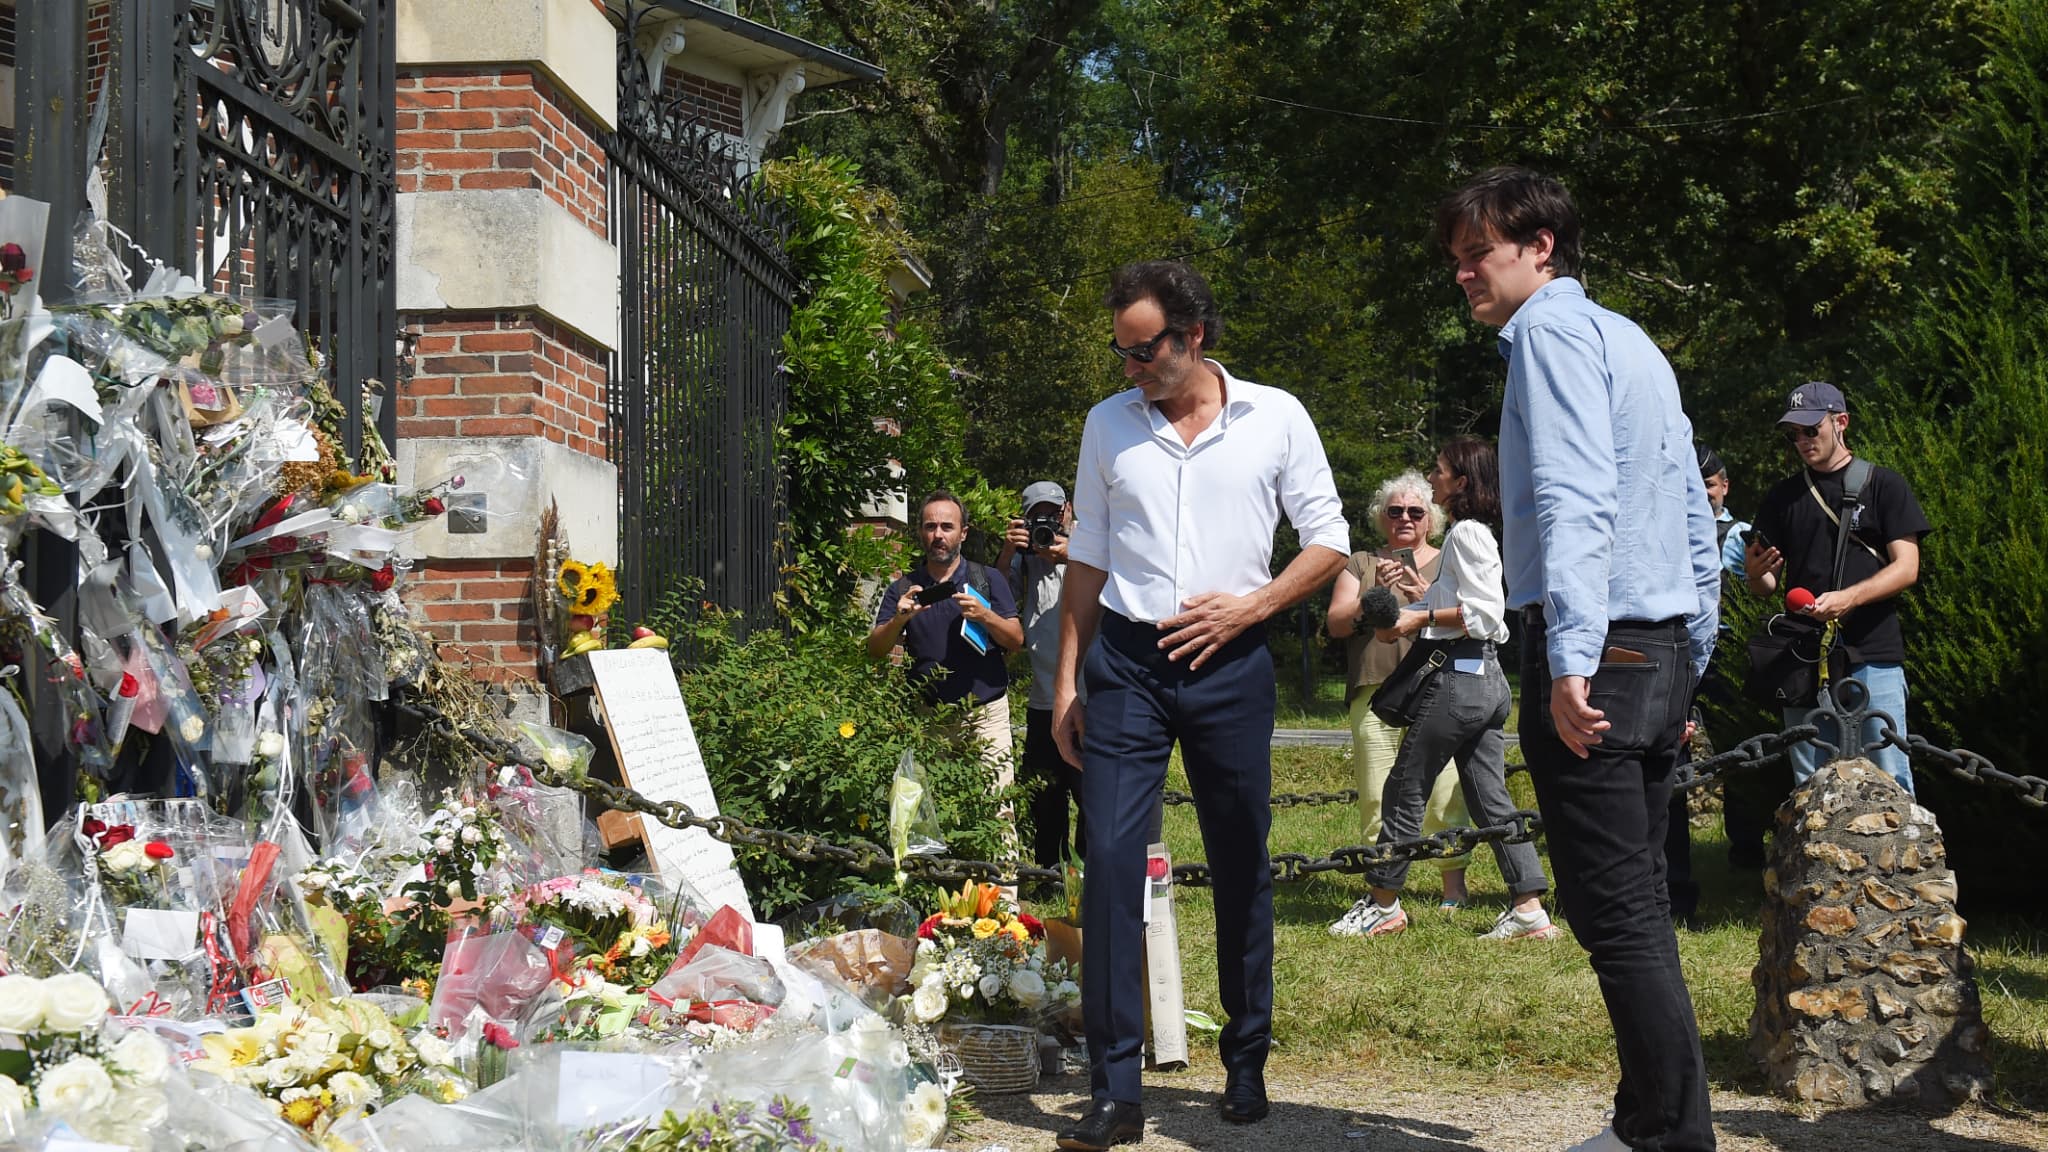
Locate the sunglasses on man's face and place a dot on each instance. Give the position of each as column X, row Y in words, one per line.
column 1143, row 353
column 1407, row 513
column 1798, row 432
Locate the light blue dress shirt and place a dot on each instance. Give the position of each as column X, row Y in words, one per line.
column 1605, row 514
column 1733, row 544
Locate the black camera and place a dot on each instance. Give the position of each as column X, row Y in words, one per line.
column 1045, row 529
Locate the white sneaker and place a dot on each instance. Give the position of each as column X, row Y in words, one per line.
column 1369, row 919
column 1513, row 925
column 1606, row 1141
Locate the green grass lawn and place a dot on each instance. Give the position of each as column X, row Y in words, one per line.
column 1436, row 1002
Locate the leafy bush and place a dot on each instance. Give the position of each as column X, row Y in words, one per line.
column 868, row 390
column 803, row 733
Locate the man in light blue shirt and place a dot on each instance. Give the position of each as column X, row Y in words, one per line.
column 1610, row 556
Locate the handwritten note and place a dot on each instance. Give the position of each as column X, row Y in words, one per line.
column 658, row 756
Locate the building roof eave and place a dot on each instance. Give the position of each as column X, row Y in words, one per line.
column 823, row 67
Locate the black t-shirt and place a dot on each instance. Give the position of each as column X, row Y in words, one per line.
column 1791, row 519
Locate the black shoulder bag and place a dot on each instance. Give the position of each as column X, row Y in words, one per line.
column 1784, row 659
column 1399, row 698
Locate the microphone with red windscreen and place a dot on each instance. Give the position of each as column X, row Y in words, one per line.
column 1799, row 600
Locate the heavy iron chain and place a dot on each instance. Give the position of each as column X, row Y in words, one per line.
column 868, row 858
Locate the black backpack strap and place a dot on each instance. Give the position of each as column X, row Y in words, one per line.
column 1854, row 480
column 978, row 579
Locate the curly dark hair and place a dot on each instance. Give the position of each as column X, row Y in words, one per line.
column 1180, row 292
column 1476, row 461
column 1514, row 204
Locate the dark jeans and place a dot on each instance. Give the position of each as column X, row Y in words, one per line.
column 1684, row 891
column 1139, row 705
column 1461, row 718
column 1605, row 819
column 1049, row 808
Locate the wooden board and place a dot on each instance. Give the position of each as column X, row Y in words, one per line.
column 658, row 757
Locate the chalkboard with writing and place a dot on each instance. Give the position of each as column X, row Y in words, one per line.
column 658, row 757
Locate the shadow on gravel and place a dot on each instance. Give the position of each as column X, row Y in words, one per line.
column 1893, row 1130
column 1188, row 1116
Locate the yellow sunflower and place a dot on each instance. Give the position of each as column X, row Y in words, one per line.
column 599, row 592
column 572, row 579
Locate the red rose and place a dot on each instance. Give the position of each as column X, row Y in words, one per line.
column 158, row 850
column 433, row 506
column 92, row 828
column 1032, row 925
column 12, row 259
column 924, row 930
column 116, row 834
column 383, row 578
column 23, row 276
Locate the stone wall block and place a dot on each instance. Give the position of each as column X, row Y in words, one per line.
column 1865, row 991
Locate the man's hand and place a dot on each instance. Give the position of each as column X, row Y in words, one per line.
column 1067, row 724
column 1206, row 623
column 1832, row 605
column 908, row 606
column 1017, row 537
column 1760, row 566
column 1578, row 725
column 973, row 609
column 1055, row 552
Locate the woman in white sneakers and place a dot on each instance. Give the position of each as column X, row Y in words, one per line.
column 1408, row 518
column 1467, row 703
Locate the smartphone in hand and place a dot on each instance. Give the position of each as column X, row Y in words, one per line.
column 943, row 590
column 1407, row 558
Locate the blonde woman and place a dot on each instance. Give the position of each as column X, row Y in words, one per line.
column 1407, row 518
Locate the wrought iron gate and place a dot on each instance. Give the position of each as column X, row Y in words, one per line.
column 696, row 389
column 247, row 142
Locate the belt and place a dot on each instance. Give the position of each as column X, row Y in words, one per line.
column 1532, row 617
column 1463, row 648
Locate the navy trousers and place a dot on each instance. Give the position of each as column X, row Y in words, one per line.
column 1139, row 705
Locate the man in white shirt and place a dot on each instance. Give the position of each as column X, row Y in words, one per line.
column 1181, row 483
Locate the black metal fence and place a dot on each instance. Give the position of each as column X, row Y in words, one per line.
column 696, row 388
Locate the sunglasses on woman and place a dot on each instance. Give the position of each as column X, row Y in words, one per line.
column 1409, row 513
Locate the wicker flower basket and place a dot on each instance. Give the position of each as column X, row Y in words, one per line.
column 998, row 1059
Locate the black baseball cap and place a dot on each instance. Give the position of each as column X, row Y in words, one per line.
column 1812, row 402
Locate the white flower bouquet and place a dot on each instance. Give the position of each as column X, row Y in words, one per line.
column 107, row 1088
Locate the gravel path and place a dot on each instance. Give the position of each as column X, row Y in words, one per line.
column 1354, row 1113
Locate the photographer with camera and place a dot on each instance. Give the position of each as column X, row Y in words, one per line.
column 1034, row 557
column 956, row 624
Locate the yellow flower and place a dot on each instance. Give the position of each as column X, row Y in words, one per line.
column 1017, row 931
column 846, row 730
column 571, row 578
column 599, row 590
column 303, row 1111
column 985, row 928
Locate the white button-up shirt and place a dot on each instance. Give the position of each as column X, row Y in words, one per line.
column 1168, row 520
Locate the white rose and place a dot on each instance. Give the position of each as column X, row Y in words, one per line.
column 641, row 946
column 471, row 834
column 1028, row 987
column 379, row 1038
column 431, row 1049
column 928, row 1003
column 13, row 1103
column 77, row 1087
column 468, row 815
column 387, row 1062
column 352, row 1089
column 270, row 745
column 444, row 844
column 193, row 729
column 1066, row 991
column 967, row 991
column 991, row 987
column 127, row 856
column 72, row 1002
column 282, row 1072
column 138, row 1110
column 454, row 890
column 142, row 1057
column 21, row 1003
